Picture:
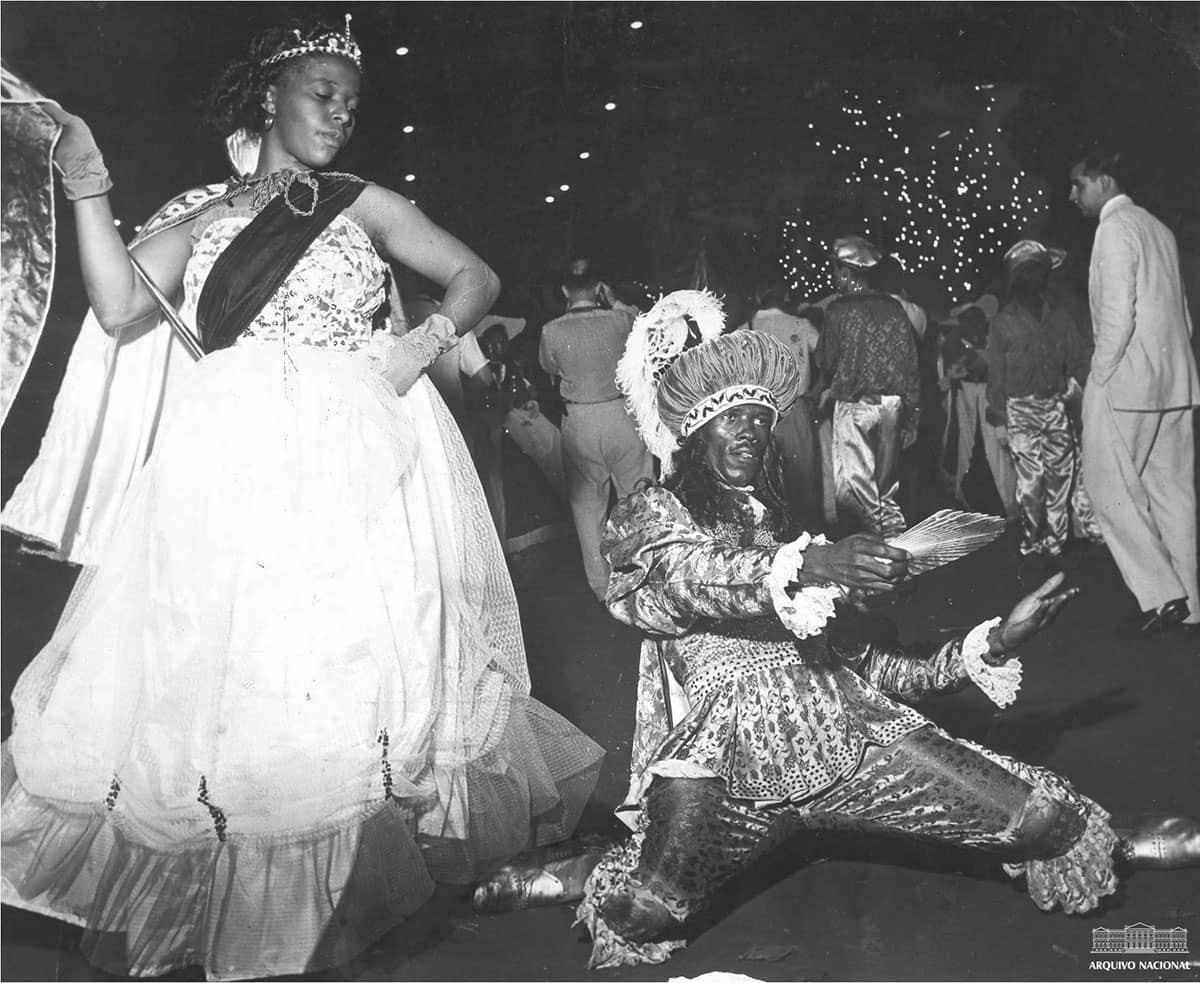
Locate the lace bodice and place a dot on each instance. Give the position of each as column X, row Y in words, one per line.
column 329, row 298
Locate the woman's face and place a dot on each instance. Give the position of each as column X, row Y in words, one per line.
column 315, row 105
column 735, row 441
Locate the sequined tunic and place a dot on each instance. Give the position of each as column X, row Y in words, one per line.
column 776, row 717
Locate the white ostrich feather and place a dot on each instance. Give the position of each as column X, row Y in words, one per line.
column 658, row 338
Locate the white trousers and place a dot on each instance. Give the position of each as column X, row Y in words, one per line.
column 1139, row 469
column 970, row 407
column 601, row 450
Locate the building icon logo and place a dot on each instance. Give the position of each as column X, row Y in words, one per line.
column 1139, row 938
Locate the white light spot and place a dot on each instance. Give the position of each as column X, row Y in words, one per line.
column 584, row 156
column 549, row 199
column 410, row 177
column 564, row 187
column 610, row 106
column 402, row 51
column 409, row 128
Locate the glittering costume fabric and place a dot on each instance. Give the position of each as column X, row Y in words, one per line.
column 775, row 736
column 1044, row 455
column 292, row 696
column 27, row 242
column 868, row 349
column 866, row 458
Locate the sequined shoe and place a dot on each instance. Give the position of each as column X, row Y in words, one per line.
column 548, row 875
column 1161, row 843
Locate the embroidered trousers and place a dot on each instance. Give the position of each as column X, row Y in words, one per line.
column 1043, row 451
column 927, row 786
column 866, row 458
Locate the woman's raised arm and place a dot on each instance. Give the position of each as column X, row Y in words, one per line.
column 401, row 232
column 117, row 296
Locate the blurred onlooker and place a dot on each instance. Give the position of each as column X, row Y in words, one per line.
column 1033, row 350
column 526, row 422
column 630, row 297
column 964, row 377
column 891, row 279
column 602, row 451
column 795, row 433
column 868, row 351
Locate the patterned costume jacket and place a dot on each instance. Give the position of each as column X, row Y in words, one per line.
column 779, row 718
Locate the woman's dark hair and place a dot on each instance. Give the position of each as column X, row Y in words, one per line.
column 235, row 100
column 1026, row 286
column 694, row 482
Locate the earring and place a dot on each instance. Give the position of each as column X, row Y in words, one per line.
column 270, row 121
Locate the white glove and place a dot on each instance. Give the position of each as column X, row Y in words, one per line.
column 412, row 354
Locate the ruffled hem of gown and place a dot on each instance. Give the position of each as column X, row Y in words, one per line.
column 297, row 901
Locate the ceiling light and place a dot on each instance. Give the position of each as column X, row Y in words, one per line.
column 402, row 51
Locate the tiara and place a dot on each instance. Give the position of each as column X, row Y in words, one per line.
column 326, row 43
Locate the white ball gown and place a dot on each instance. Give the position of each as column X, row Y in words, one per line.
column 293, row 693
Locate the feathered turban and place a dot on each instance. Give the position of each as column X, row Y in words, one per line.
column 679, row 370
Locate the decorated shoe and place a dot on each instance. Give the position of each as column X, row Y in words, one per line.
column 548, row 875
column 1161, row 843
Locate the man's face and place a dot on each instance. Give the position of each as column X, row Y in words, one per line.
column 1087, row 192
column 493, row 344
column 735, row 441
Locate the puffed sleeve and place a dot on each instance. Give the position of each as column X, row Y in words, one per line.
column 667, row 572
column 906, row 672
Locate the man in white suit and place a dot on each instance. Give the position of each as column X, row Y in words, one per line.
column 1138, row 454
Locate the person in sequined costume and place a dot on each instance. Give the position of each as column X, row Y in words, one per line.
column 762, row 713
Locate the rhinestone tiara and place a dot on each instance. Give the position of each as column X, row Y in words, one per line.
column 325, row 43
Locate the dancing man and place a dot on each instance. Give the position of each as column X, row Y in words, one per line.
column 759, row 714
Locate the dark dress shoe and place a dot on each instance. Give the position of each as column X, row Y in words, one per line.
column 1146, row 624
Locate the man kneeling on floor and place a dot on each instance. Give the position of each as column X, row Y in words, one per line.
column 783, row 722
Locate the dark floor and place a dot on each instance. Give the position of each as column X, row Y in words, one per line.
column 1119, row 719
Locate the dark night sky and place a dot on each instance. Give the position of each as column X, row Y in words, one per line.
column 504, row 96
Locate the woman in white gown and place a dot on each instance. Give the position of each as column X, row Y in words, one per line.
column 292, row 694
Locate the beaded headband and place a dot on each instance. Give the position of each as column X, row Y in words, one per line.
column 325, row 43
column 716, row 404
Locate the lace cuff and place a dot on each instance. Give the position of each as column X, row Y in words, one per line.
column 806, row 613
column 85, row 176
column 999, row 683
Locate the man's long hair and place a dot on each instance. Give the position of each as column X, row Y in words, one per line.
column 694, row 482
